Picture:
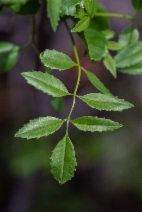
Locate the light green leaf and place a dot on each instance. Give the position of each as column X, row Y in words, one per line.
column 130, row 55
column 109, row 34
column 133, row 70
column 112, row 45
column 110, row 64
column 80, row 13
column 56, row 60
column 105, row 102
column 9, row 54
column 96, row 44
column 57, row 103
column 46, row 83
column 91, row 7
column 54, row 8
column 29, row 8
column 68, row 6
column 137, row 5
column 63, row 161
column 81, row 25
column 96, row 82
column 129, row 35
column 92, row 124
column 40, row 127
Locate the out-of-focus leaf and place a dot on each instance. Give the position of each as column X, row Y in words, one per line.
column 29, row 8
column 110, row 64
column 91, row 7
column 133, row 70
column 112, row 45
column 129, row 35
column 82, row 24
column 63, row 161
column 46, row 83
column 137, row 5
column 92, row 124
column 57, row 103
column 40, row 127
column 9, row 54
column 96, row 82
column 109, row 34
column 56, row 60
column 130, row 55
column 96, row 44
column 54, row 7
column 68, row 6
column 105, row 102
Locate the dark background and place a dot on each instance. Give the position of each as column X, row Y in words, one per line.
column 109, row 172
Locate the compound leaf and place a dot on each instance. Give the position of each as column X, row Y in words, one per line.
column 92, row 124
column 133, row 70
column 46, row 83
column 56, row 60
column 96, row 43
column 82, row 24
column 96, row 82
column 105, row 102
column 63, row 161
column 40, row 127
column 110, row 64
column 9, row 54
column 129, row 35
column 54, row 7
column 130, row 55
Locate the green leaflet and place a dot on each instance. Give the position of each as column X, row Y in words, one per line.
column 80, row 13
column 137, row 5
column 112, row 45
column 129, row 35
column 81, row 25
column 40, row 127
column 46, row 83
column 57, row 103
column 96, row 82
column 91, row 7
column 56, row 60
column 92, row 124
column 109, row 34
column 54, row 7
column 133, row 70
column 105, row 102
column 130, row 55
column 68, row 6
column 63, row 161
column 110, row 64
column 9, row 54
column 29, row 8
column 96, row 44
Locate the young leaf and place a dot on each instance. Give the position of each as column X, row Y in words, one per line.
column 130, row 55
column 46, row 83
column 91, row 7
column 96, row 43
column 54, row 7
column 105, row 102
column 129, row 35
column 112, row 45
column 133, row 70
column 109, row 34
column 92, row 124
column 29, row 8
column 110, row 64
column 80, row 13
column 56, row 60
column 40, row 127
column 96, row 82
column 9, row 54
column 63, row 161
column 81, row 25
